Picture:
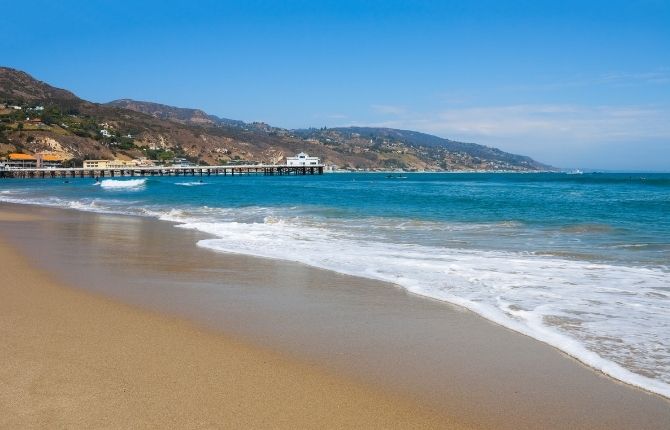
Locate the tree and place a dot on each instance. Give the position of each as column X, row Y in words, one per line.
column 166, row 155
column 74, row 162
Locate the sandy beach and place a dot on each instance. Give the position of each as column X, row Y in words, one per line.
column 121, row 332
column 75, row 360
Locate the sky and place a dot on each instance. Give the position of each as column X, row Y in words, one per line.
column 575, row 84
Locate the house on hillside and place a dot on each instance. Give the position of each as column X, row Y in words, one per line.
column 181, row 162
column 302, row 159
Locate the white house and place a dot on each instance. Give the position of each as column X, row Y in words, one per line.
column 302, row 159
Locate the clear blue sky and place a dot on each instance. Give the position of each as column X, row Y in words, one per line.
column 571, row 83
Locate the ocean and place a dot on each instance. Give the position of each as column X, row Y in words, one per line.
column 581, row 262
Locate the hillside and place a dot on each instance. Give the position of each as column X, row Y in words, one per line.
column 35, row 116
column 17, row 87
column 444, row 153
column 182, row 115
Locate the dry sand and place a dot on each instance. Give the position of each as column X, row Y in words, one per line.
column 70, row 359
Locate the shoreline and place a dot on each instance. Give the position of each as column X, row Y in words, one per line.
column 72, row 358
column 574, row 351
column 479, row 375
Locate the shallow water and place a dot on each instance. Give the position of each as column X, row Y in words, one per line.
column 577, row 261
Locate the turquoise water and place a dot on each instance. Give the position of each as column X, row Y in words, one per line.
column 578, row 261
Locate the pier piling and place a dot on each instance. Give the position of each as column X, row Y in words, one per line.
column 73, row 172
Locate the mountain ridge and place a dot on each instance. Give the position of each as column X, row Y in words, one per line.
column 418, row 139
column 128, row 128
column 173, row 113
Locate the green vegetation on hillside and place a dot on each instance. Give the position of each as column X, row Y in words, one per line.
column 54, row 118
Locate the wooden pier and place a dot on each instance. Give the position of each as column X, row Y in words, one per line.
column 80, row 172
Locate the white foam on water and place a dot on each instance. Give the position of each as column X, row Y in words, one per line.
column 91, row 206
column 87, row 205
column 613, row 318
column 115, row 184
column 190, row 184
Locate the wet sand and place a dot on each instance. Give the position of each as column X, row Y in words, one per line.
column 439, row 356
column 71, row 359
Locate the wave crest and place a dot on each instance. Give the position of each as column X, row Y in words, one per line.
column 114, row 184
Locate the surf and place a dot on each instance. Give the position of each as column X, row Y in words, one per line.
column 115, row 184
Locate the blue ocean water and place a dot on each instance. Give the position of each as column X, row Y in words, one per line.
column 581, row 262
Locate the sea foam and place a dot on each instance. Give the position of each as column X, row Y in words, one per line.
column 190, row 184
column 114, row 184
column 610, row 317
column 611, row 313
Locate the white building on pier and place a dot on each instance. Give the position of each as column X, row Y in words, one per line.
column 302, row 159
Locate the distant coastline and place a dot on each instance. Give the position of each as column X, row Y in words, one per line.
column 40, row 120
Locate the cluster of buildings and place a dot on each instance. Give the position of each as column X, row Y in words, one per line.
column 124, row 164
column 117, row 164
column 16, row 107
column 38, row 161
column 52, row 161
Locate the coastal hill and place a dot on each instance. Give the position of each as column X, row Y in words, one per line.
column 445, row 153
column 182, row 115
column 36, row 117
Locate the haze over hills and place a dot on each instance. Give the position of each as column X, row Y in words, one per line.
column 35, row 116
column 448, row 153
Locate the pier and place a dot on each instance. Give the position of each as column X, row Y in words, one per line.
column 135, row 171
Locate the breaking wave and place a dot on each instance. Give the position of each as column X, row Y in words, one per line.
column 115, row 184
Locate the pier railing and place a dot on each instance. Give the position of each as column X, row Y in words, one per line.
column 104, row 172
